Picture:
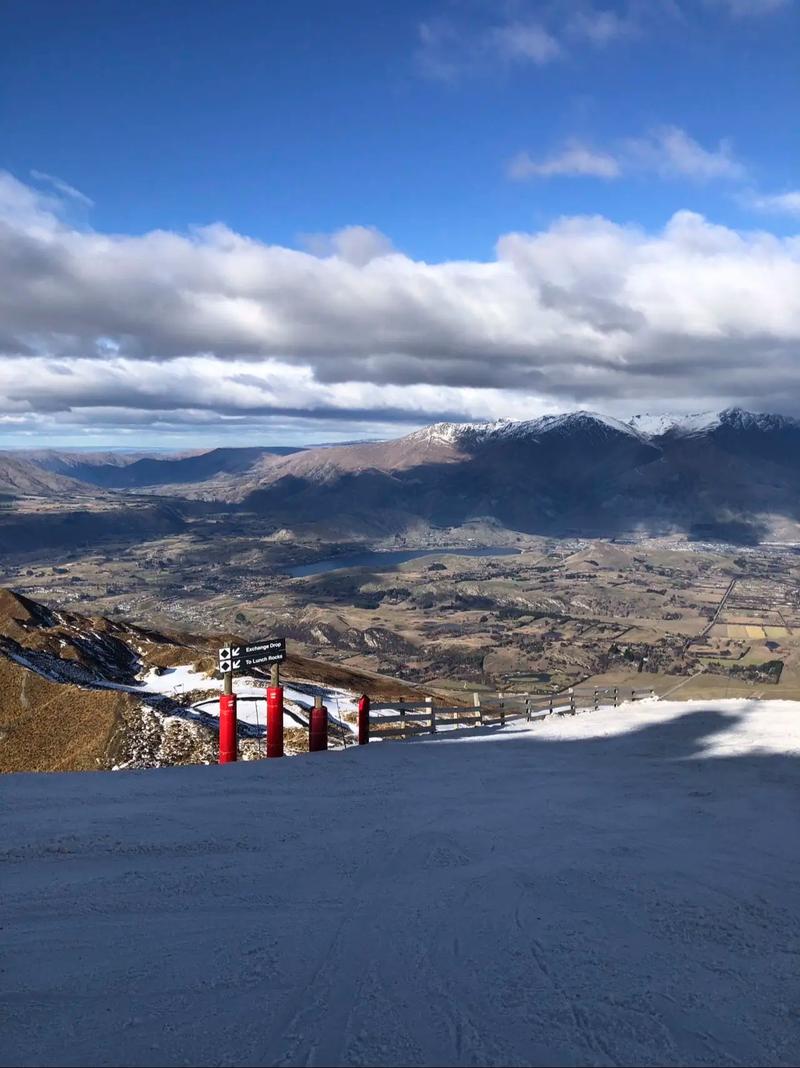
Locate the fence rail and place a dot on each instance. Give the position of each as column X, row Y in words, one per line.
column 401, row 718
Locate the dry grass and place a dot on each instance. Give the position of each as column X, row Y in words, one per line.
column 50, row 726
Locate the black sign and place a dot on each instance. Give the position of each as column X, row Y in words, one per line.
column 267, row 651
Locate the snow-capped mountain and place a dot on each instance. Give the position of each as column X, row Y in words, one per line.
column 645, row 425
column 653, row 424
column 657, row 424
column 731, row 474
column 521, row 430
column 580, row 471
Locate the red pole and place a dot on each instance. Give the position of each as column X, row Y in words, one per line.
column 274, row 721
column 318, row 727
column 227, row 728
column 363, row 719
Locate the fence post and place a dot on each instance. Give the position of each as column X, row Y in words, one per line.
column 432, row 713
column 596, row 699
column 227, row 728
column 633, row 695
column 363, row 719
column 275, row 716
column 476, row 700
column 616, row 697
column 318, row 727
column 527, row 708
column 572, row 701
column 502, row 711
column 551, row 705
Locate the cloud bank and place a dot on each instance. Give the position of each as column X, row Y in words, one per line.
column 214, row 329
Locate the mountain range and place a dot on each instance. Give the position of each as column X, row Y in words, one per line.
column 732, row 475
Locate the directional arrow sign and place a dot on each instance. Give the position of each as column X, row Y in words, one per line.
column 266, row 645
column 266, row 651
column 270, row 652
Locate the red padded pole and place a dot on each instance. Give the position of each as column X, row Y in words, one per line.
column 363, row 719
column 318, row 727
column 227, row 728
column 274, row 721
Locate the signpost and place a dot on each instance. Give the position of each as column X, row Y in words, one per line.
column 238, row 657
column 232, row 658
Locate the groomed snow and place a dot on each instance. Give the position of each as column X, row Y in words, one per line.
column 617, row 888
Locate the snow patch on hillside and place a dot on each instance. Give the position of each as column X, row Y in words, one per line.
column 172, row 681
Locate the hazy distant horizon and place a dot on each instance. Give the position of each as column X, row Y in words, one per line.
column 396, row 431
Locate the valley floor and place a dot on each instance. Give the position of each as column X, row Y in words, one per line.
column 616, row 888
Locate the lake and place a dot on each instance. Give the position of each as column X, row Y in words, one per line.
column 380, row 561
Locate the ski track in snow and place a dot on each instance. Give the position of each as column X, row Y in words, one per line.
column 620, row 887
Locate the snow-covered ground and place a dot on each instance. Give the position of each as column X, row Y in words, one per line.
column 173, row 681
column 298, row 699
column 252, row 708
column 621, row 887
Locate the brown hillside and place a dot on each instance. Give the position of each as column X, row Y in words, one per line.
column 58, row 713
column 18, row 476
column 53, row 726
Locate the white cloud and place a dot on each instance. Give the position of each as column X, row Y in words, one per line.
column 441, row 53
column 63, row 188
column 22, row 206
column 670, row 151
column 448, row 50
column 525, row 42
column 740, row 8
column 574, row 159
column 775, row 203
column 216, row 328
column 523, row 32
column 600, row 28
column 667, row 151
column 354, row 244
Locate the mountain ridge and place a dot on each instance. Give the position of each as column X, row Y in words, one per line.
column 731, row 474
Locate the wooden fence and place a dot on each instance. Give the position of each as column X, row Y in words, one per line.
column 403, row 719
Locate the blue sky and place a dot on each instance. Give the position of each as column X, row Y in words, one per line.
column 444, row 127
column 287, row 118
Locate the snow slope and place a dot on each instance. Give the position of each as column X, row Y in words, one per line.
column 298, row 697
column 617, row 888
